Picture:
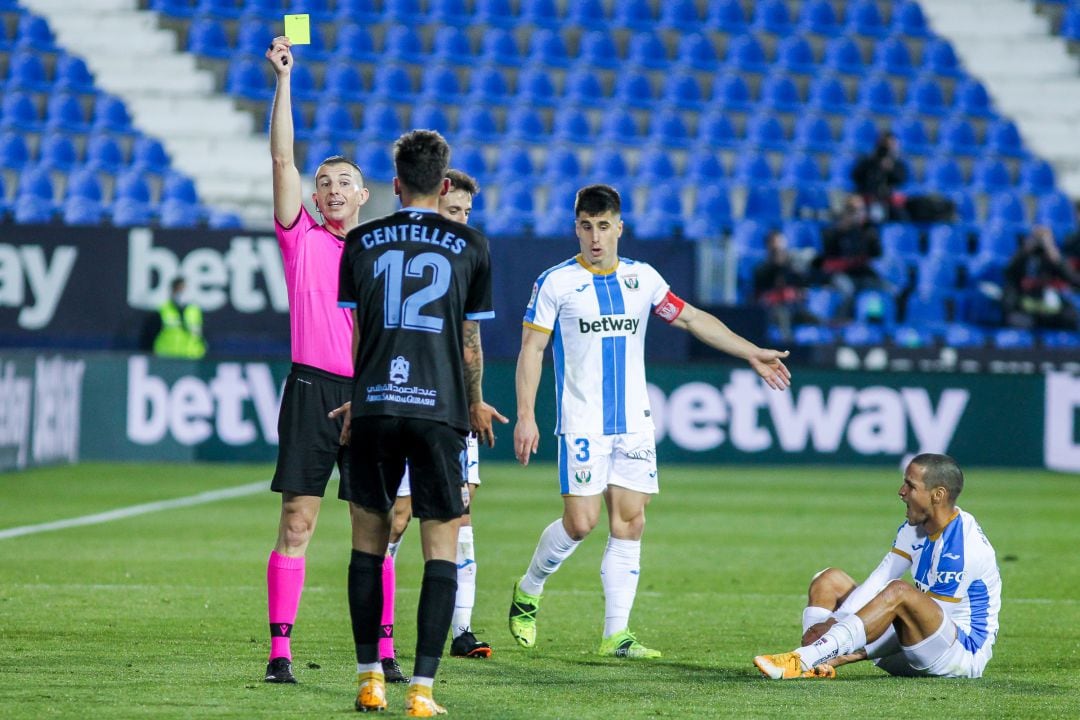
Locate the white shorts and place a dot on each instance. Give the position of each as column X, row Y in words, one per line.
column 940, row 655
column 589, row 463
column 472, row 448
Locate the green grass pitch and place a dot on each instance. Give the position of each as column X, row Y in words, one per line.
column 163, row 615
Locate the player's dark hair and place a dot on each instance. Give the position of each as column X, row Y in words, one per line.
column 421, row 159
column 342, row 160
column 941, row 471
column 593, row 200
column 462, row 181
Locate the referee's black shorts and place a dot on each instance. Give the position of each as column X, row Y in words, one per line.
column 438, row 465
column 308, row 441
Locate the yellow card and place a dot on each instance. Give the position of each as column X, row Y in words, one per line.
column 298, row 29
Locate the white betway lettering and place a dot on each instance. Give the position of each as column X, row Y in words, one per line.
column 57, row 409
column 14, row 414
column 214, row 279
column 192, row 410
column 873, row 421
column 1061, row 451
column 25, row 267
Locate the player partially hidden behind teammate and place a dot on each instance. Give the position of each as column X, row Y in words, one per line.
column 597, row 305
column 321, row 376
column 944, row 625
column 454, row 205
column 422, row 282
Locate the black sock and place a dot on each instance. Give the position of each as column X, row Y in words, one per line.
column 434, row 614
column 365, row 604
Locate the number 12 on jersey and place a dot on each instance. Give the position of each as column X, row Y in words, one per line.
column 398, row 313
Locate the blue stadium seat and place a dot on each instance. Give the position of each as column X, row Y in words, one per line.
column 748, row 237
column 475, row 122
column 862, row 334
column 1037, row 177
column 439, row 83
column 864, row 18
column 697, row 51
column 766, row 132
column 515, row 216
column 859, row 134
column 1007, row 207
column 780, row 93
column 34, row 33
column 746, row 53
column 804, row 234
column 819, row 16
column 971, row 98
column 956, row 136
column 319, row 10
column 33, row 210
column 608, row 165
column 488, row 86
column 943, row 174
column 1012, row 339
column 541, row 13
column 726, row 16
column 374, row 157
column 393, row 83
column 342, row 82
column 452, row 45
column 963, row 335
column 178, row 214
column 875, row 306
column 667, row 127
column 317, row 151
column 891, row 56
column 712, row 214
column 911, row 336
column 264, row 9
column 381, row 122
column 619, row 126
column 1056, row 210
column 680, row 15
column 57, row 150
column 469, row 158
column 598, row 48
column 840, row 167
column 813, row 134
column 536, row 87
column 731, row 93
column 556, row 220
column 126, row 212
column 763, row 203
column 175, row 8
column 547, row 47
column 582, row 86
column 908, row 18
column 647, row 50
column 703, row 167
column 1059, row 339
column 14, row 150
column 1003, row 138
column 911, row 133
column 132, row 185
column 18, row 111
column 36, row 181
column 406, row 12
column 401, row 43
column 938, row 55
column 26, row 71
column 876, row 95
column 800, row 170
column 179, row 187
column 795, row 55
column 827, row 94
column 247, row 78
column 586, row 13
column 354, row 43
column 524, row 123
column 571, row 124
column 899, row 240
column 72, row 75
column 498, row 46
column 946, row 240
column 990, row 175
column 224, row 220
column 430, row 116
column 303, row 84
column 842, row 55
column 449, row 12
column 715, row 130
column 84, row 183
column 655, row 166
column 634, row 14
column 561, row 164
column 823, row 302
column 806, row 335
column 495, row 13
column 65, row 113
column 998, row 240
column 925, row 96
column 251, row 36
column 104, row 152
column 926, row 309
column 772, row 16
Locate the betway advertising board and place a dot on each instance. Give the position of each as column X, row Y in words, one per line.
column 60, row 408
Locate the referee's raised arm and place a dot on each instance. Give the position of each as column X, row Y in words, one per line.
column 287, row 189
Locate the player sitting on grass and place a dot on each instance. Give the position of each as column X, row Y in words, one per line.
column 945, row 625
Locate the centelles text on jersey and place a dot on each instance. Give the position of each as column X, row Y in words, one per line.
column 413, row 233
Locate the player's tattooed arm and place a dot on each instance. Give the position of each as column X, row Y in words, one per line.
column 474, row 361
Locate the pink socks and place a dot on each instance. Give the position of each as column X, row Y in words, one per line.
column 284, row 584
column 386, row 629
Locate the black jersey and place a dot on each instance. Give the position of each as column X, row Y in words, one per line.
column 413, row 278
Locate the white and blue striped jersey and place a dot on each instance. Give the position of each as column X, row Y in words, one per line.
column 957, row 567
column 598, row 321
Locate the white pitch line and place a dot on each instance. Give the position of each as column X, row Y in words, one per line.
column 134, row 510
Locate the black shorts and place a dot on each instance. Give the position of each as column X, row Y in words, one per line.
column 308, row 441
column 437, row 459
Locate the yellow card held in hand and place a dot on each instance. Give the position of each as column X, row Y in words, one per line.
column 298, row 29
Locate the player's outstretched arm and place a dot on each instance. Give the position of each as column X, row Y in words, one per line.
column 287, row 191
column 527, row 380
column 708, row 329
column 481, row 414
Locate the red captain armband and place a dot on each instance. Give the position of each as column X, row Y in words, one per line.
column 670, row 307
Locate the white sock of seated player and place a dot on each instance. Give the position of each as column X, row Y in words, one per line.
column 466, row 582
column 843, row 638
column 619, row 573
column 554, row 547
column 812, row 615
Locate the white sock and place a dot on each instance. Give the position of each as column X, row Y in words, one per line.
column 813, row 615
column 466, row 581
column 368, row 667
column 424, row 681
column 554, row 547
column 392, row 549
column 843, row 638
column 619, row 572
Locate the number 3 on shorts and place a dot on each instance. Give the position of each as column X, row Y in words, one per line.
column 583, row 449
